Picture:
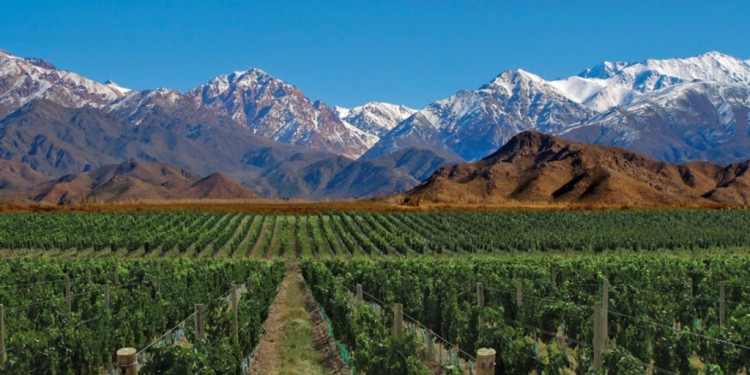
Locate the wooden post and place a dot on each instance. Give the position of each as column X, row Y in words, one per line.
column 722, row 304
column 519, row 301
column 480, row 301
column 2, row 335
column 553, row 275
column 200, row 321
column 106, row 296
column 398, row 320
column 690, row 285
column 117, row 279
column 88, row 276
column 67, row 294
column 485, row 361
column 235, row 312
column 605, row 313
column 598, row 336
column 359, row 293
column 127, row 361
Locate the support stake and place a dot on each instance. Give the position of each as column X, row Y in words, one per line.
column 722, row 304
column 485, row 361
column 106, row 296
column 598, row 336
column 236, row 314
column 398, row 320
column 480, row 301
column 67, row 294
column 553, row 275
column 519, row 300
column 605, row 313
column 127, row 361
column 200, row 321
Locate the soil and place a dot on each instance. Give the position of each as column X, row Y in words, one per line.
column 266, row 359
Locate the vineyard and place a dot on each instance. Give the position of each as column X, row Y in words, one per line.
column 619, row 292
column 69, row 316
column 665, row 314
column 194, row 234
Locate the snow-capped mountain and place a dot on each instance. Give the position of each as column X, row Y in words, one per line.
column 25, row 79
column 274, row 109
column 374, row 117
column 267, row 106
column 473, row 124
column 612, row 84
column 685, row 122
column 675, row 110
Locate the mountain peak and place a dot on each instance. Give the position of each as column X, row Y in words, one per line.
column 604, row 70
column 111, row 84
column 375, row 118
column 516, row 76
column 254, row 73
column 526, row 141
column 41, row 63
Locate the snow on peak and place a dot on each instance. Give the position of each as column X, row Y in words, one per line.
column 28, row 79
column 111, row 84
column 612, row 84
column 603, row 70
column 375, row 118
column 341, row 111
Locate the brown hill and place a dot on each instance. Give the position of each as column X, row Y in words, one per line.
column 16, row 176
column 218, row 186
column 538, row 168
column 136, row 180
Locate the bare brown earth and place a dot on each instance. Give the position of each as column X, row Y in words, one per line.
column 281, row 350
column 535, row 168
column 129, row 181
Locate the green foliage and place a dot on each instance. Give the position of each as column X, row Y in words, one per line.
column 652, row 308
column 380, row 234
column 42, row 336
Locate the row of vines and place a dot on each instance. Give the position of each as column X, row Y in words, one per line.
column 663, row 310
column 69, row 316
column 347, row 234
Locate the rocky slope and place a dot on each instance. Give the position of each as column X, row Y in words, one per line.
column 276, row 110
column 472, row 124
column 538, row 168
column 691, row 121
column 340, row 177
column 674, row 110
column 135, row 180
column 267, row 106
column 25, row 79
column 375, row 118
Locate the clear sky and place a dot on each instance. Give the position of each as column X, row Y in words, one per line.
column 351, row 52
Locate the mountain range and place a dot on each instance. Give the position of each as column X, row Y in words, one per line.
column 266, row 134
column 675, row 110
column 537, row 168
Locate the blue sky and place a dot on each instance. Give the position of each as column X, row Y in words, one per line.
column 348, row 53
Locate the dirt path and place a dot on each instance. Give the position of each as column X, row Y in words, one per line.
column 296, row 339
